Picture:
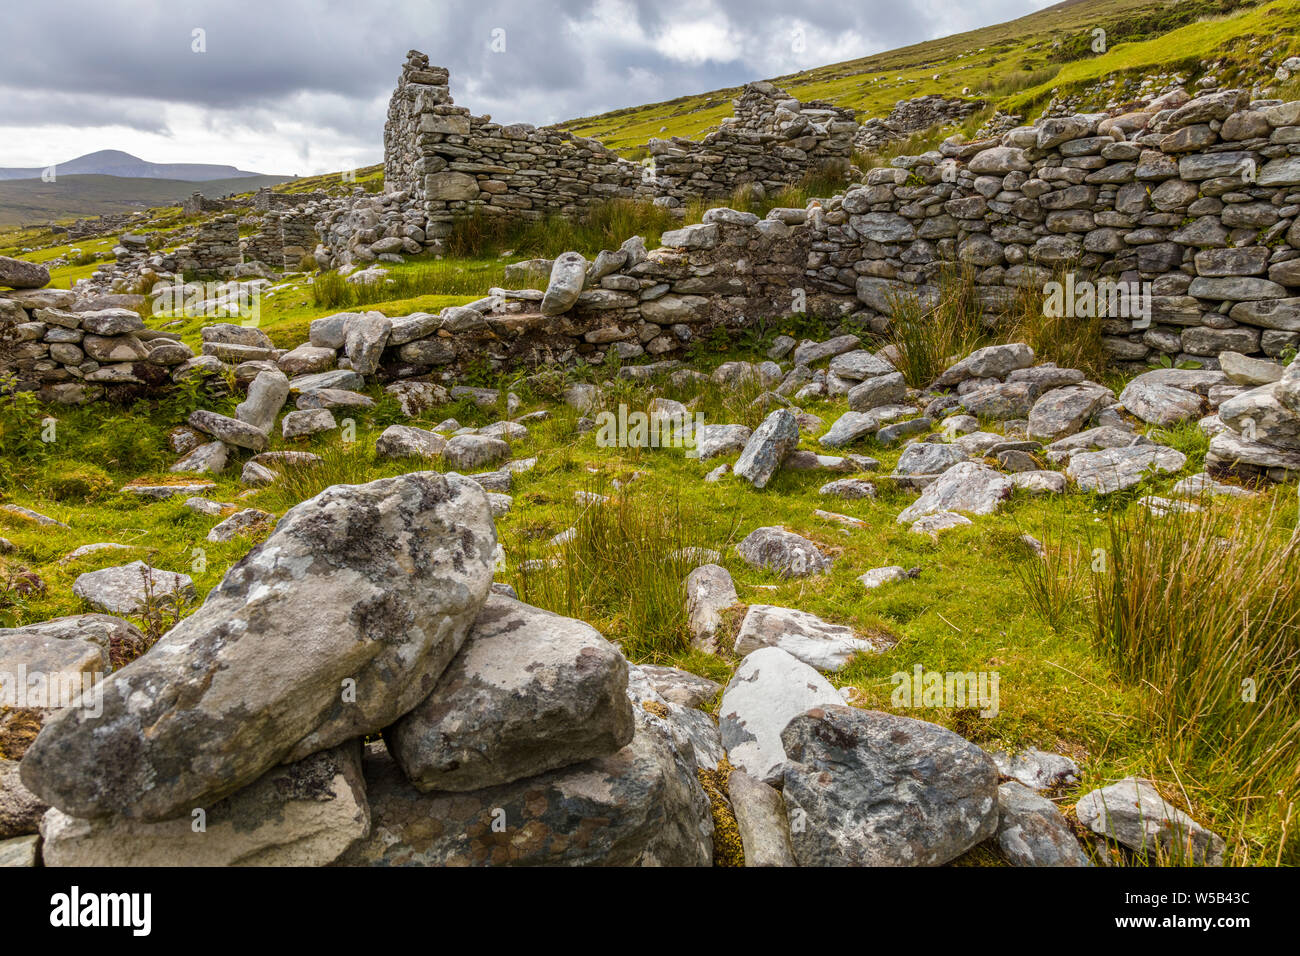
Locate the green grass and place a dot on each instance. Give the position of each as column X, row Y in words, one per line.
column 1277, row 23
column 1013, row 65
column 1203, row 611
column 974, row 605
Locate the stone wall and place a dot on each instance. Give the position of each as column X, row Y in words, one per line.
column 1212, row 227
column 265, row 200
column 772, row 141
column 197, row 204
column 284, row 239
column 442, row 162
column 214, row 250
column 77, row 356
column 909, row 117
column 450, row 162
column 1198, row 198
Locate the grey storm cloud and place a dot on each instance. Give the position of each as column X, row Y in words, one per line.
column 332, row 64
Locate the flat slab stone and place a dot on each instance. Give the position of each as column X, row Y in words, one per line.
column 125, row 589
column 300, row 814
column 768, row 690
column 1114, row 469
column 808, row 638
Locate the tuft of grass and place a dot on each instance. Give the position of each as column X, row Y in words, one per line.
column 1203, row 610
column 621, row 569
column 603, row 226
column 332, row 291
column 930, row 338
column 1068, row 341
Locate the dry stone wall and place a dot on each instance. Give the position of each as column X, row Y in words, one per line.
column 442, row 162
column 1212, row 229
column 451, row 162
column 1198, row 198
column 772, row 141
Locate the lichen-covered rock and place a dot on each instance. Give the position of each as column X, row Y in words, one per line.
column 299, row 814
column 1133, row 813
column 709, row 592
column 131, row 588
column 332, row 628
column 468, row 452
column 1032, row 832
column 761, row 820
column 969, row 487
column 20, row 809
column 407, row 441
column 529, row 692
column 768, row 690
column 783, row 552
column 864, row 788
column 1114, row 469
column 641, row 806
column 819, row 644
column 768, row 447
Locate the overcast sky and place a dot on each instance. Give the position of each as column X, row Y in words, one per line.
column 292, row 86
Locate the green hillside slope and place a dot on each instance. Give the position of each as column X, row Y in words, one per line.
column 1017, row 63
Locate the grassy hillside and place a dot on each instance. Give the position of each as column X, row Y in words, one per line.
column 1017, row 63
column 31, row 200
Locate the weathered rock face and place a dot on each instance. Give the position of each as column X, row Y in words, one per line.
column 783, row 552
column 1032, row 832
column 827, row 647
column 20, row 274
column 530, row 691
column 20, row 809
column 709, row 592
column 1114, row 469
column 761, row 820
column 1133, row 813
column 129, row 588
column 969, row 487
column 336, row 625
column 407, row 441
column 299, row 814
column 768, row 690
column 266, row 396
column 864, row 788
column 641, row 806
column 567, row 278
column 768, row 447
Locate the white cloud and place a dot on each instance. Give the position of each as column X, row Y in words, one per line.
column 301, row 87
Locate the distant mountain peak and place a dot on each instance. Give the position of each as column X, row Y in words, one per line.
column 115, row 162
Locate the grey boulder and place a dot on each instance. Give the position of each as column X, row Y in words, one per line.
column 332, row 628
column 864, row 788
column 529, row 691
column 769, row 689
column 769, row 446
column 1032, row 832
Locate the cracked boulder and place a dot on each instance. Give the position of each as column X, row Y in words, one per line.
column 337, row 624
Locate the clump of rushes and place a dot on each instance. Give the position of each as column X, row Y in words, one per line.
column 1203, row 610
column 621, row 569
